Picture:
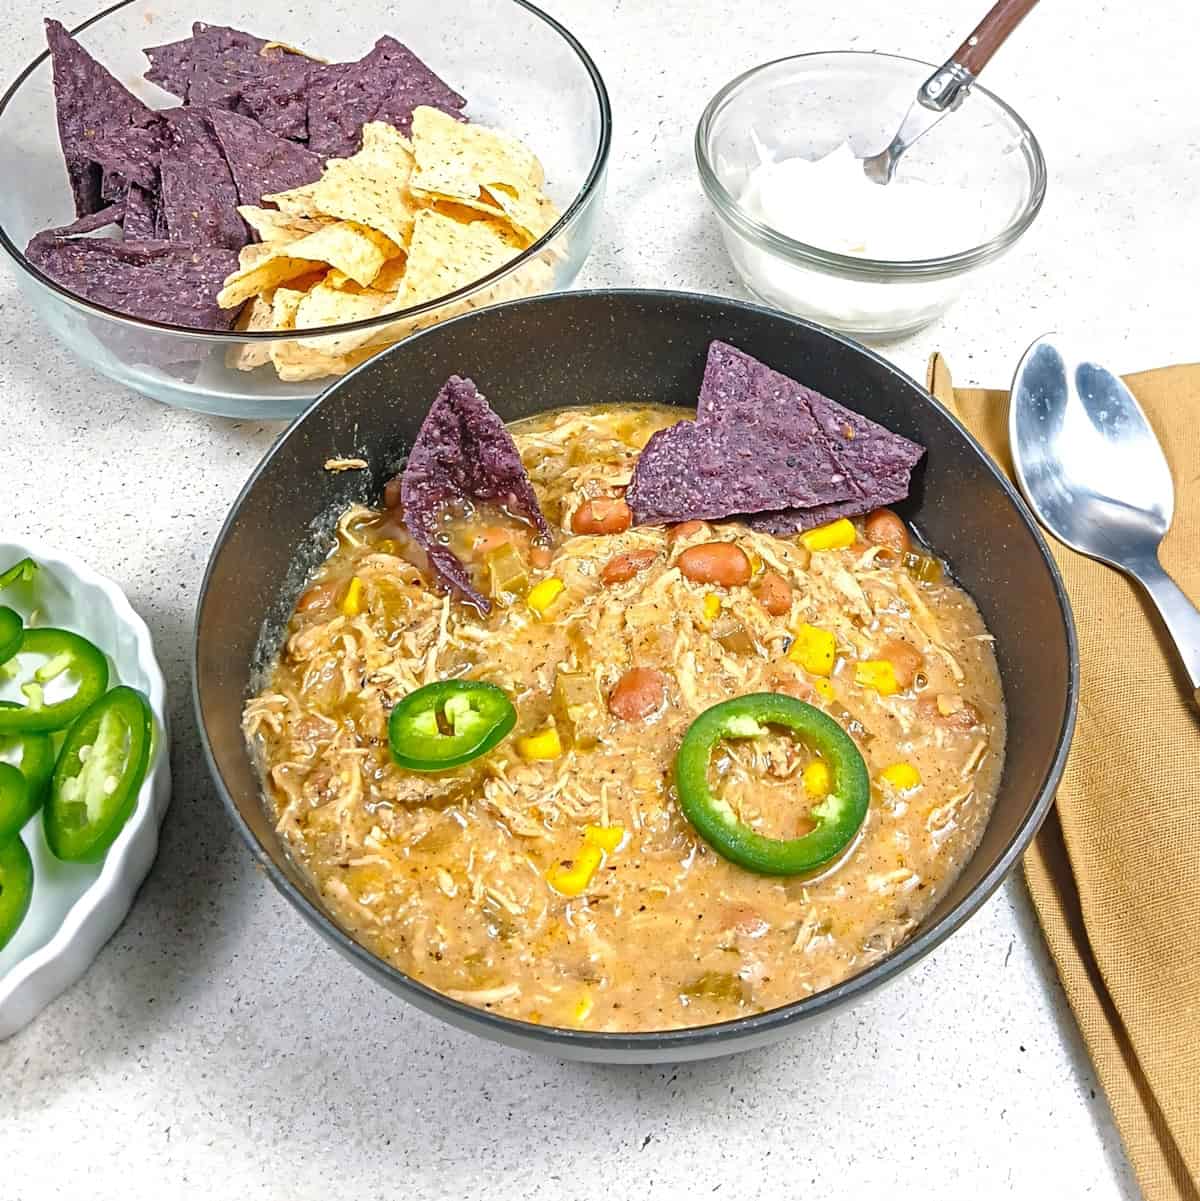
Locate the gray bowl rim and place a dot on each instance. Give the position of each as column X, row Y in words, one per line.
column 568, row 1041
column 729, row 210
column 591, row 185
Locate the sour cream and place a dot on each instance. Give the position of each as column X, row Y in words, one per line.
column 831, row 204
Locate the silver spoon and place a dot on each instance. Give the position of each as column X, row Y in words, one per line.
column 944, row 90
column 1092, row 470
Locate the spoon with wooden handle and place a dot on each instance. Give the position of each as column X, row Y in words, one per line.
column 944, row 90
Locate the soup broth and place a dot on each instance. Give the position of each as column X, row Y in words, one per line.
column 480, row 882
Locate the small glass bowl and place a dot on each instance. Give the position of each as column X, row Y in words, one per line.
column 808, row 106
column 521, row 72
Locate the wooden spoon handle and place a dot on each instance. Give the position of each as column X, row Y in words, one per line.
column 990, row 34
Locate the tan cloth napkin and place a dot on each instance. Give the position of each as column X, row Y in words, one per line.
column 1115, row 871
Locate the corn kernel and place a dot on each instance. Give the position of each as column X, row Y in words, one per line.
column 583, row 1008
column 878, row 674
column 571, row 881
column 607, row 838
column 814, row 649
column 824, row 689
column 756, row 565
column 545, row 744
column 818, row 782
column 352, row 602
column 712, row 606
column 901, row 776
column 830, row 537
column 544, row 594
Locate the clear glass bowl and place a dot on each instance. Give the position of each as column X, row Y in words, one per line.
column 807, row 106
column 520, row 70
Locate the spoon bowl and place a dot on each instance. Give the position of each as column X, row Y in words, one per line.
column 1092, row 470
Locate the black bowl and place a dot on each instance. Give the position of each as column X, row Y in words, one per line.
column 596, row 348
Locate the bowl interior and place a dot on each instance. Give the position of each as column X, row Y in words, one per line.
column 596, row 348
column 982, row 156
column 519, row 71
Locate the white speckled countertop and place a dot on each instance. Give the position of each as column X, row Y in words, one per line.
column 219, row 1049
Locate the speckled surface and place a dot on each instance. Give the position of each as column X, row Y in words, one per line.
column 218, row 1049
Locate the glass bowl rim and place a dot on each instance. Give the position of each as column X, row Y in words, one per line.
column 731, row 211
column 578, row 202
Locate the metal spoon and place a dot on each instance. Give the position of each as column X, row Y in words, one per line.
column 945, row 89
column 1093, row 472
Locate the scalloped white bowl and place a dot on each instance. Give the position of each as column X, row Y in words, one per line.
column 77, row 907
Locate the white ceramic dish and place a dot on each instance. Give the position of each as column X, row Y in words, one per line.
column 76, row 907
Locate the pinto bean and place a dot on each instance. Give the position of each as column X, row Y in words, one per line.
column 685, row 529
column 885, row 529
column 723, row 563
column 317, row 595
column 391, row 494
column 949, row 712
column 905, row 659
column 639, row 693
column 602, row 515
column 624, row 567
column 540, row 556
column 775, row 594
column 743, row 920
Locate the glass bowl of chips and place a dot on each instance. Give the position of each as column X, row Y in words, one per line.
column 274, row 205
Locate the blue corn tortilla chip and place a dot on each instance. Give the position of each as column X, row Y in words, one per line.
column 112, row 215
column 878, row 461
column 141, row 215
column 198, row 196
column 764, row 444
column 279, row 102
column 101, row 124
column 462, row 452
column 755, row 445
column 129, row 154
column 161, row 281
column 384, row 85
column 260, row 162
column 227, row 68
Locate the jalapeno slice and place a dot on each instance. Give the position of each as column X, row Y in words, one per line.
column 66, row 655
column 16, row 887
column 20, row 572
column 837, row 817
column 449, row 723
column 31, row 758
column 98, row 774
column 11, row 630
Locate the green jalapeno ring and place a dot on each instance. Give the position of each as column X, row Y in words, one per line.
column 838, row 816
column 12, row 631
column 63, row 651
column 34, row 765
column 16, row 887
column 449, row 723
column 98, row 776
column 21, row 572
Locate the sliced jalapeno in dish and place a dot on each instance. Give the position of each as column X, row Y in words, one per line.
column 66, row 655
column 15, row 809
column 20, row 572
column 11, row 630
column 837, row 817
column 449, row 723
column 16, row 886
column 98, row 774
column 31, row 758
